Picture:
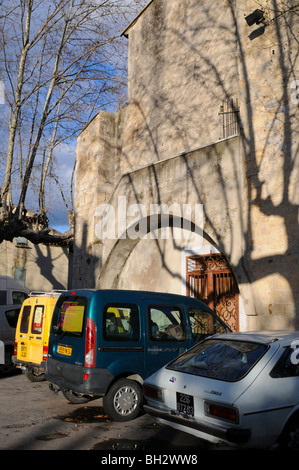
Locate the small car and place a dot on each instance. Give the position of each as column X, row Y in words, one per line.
column 103, row 343
column 240, row 389
column 32, row 334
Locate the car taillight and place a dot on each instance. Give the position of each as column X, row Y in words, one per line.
column 223, row 412
column 90, row 343
column 45, row 353
column 15, row 349
column 153, row 392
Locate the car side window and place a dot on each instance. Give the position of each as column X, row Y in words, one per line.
column 3, row 297
column 121, row 322
column 203, row 323
column 166, row 323
column 18, row 297
column 286, row 366
column 12, row 317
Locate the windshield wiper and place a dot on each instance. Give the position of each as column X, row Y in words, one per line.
column 62, row 335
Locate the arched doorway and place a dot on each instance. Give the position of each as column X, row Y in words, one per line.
column 210, row 279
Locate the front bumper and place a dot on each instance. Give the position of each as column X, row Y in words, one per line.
column 230, row 435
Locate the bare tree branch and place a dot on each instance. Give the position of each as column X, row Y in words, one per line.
column 61, row 62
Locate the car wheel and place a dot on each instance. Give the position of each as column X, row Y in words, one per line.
column 76, row 398
column 290, row 437
column 123, row 400
column 35, row 376
column 9, row 367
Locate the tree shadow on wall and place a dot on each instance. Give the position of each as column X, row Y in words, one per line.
column 86, row 260
column 267, row 153
column 52, row 260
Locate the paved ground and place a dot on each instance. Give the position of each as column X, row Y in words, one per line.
column 33, row 418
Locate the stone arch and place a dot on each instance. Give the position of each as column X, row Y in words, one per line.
column 146, row 230
column 196, row 178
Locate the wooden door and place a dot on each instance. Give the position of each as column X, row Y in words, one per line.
column 211, row 280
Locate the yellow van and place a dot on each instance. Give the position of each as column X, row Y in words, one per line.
column 32, row 334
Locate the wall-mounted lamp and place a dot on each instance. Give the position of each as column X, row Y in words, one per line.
column 257, row 16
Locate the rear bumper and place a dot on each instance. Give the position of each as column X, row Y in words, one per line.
column 88, row 381
column 29, row 365
column 231, row 435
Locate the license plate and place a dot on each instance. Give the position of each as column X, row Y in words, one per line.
column 64, row 350
column 185, row 404
column 23, row 352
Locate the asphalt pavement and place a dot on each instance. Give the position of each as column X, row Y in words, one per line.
column 32, row 417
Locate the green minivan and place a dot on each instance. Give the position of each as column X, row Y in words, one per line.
column 104, row 343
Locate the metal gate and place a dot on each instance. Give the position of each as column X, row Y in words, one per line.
column 211, row 280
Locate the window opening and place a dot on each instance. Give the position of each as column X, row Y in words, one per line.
column 230, row 119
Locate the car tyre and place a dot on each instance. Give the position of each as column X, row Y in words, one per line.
column 35, row 376
column 76, row 398
column 9, row 367
column 290, row 436
column 123, row 400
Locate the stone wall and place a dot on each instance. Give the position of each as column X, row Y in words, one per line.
column 152, row 260
column 44, row 267
column 182, row 66
column 268, row 68
column 185, row 59
column 94, row 183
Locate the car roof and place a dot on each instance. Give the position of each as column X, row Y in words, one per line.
column 139, row 294
column 263, row 336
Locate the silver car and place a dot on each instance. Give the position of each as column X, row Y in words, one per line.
column 240, row 389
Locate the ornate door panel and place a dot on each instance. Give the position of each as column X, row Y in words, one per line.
column 211, row 280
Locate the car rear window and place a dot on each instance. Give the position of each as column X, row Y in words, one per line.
column 220, row 359
column 68, row 316
column 25, row 319
column 37, row 322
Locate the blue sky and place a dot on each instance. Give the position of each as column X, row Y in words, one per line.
column 64, row 154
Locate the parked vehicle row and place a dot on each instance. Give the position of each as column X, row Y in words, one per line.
column 167, row 355
column 105, row 343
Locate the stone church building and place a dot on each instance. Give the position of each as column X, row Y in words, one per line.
column 192, row 186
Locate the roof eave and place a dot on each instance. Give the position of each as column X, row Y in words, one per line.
column 134, row 21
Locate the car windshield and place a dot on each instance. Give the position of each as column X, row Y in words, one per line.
column 219, row 359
